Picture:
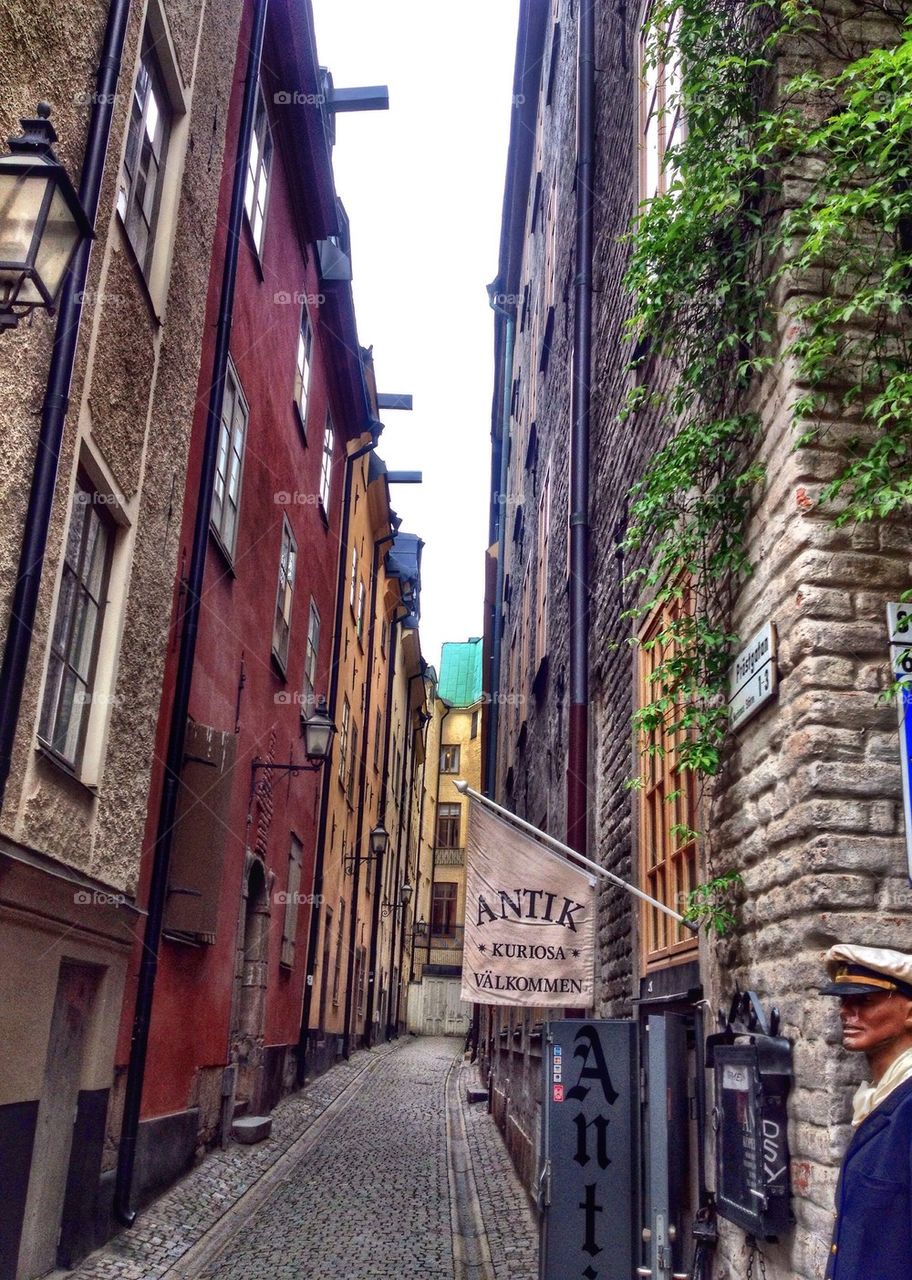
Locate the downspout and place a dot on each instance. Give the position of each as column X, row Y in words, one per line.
column 384, row 792
column 56, row 399
column 578, row 748
column 408, row 839
column 493, row 720
column 320, row 859
column 392, row 1027
column 362, row 787
column 161, row 855
column 430, row 932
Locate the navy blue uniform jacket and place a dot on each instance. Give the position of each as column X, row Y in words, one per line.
column 872, row 1238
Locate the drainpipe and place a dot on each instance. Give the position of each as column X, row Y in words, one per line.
column 384, row 795
column 430, row 932
column 56, row 399
column 332, row 707
column 408, row 839
column 161, row 854
column 493, row 719
column 578, row 750
column 362, row 787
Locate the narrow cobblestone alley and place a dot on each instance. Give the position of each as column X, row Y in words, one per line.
column 378, row 1169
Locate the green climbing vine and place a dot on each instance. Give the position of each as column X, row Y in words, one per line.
column 784, row 238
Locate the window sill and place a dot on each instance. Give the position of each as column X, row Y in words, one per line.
column 301, row 421
column 223, row 551
column 141, row 277
column 47, row 753
column 252, row 246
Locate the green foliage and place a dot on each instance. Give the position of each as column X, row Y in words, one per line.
column 773, row 185
column 709, row 905
column 707, row 262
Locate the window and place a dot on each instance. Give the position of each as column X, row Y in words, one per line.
column 303, row 367
column 259, row 161
column 661, row 118
column 292, row 899
column 284, row 596
column 77, row 625
column 326, row 470
column 226, row 495
column 352, row 763
column 139, row 193
column 310, row 658
column 541, row 571
column 384, row 635
column 343, row 739
column 474, row 730
column 362, row 969
column 449, row 758
column 359, row 612
column 378, row 733
column 443, row 910
column 324, row 972
column 354, row 579
column 340, row 939
column 448, row 825
column 667, row 802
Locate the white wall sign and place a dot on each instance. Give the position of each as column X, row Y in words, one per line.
column 899, row 623
column 753, row 677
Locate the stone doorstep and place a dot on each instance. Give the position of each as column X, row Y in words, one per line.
column 250, row 1129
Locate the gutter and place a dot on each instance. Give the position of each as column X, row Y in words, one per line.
column 161, row 855
column 578, row 737
column 56, row 400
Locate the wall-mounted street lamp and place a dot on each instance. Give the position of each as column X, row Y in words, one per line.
column 377, row 845
column 42, row 222
column 318, row 735
column 405, row 896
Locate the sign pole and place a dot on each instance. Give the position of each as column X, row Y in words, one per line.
column 464, row 789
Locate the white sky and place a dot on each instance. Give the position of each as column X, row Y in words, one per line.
column 423, row 185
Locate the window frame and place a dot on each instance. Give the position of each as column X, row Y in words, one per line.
column 253, row 186
column 52, row 695
column 445, row 892
column 131, row 210
column 311, row 656
column 657, row 86
column 451, row 814
column 667, row 870
column 326, row 463
column 284, row 605
column 292, row 901
column 304, row 368
column 449, row 763
column 218, row 525
column 343, row 737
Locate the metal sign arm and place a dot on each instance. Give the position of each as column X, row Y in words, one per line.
column 464, row 789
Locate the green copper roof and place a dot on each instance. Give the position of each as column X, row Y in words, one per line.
column 460, row 672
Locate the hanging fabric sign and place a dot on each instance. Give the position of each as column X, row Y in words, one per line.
column 530, row 920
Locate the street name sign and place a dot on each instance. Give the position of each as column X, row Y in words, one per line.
column 753, row 677
column 899, row 624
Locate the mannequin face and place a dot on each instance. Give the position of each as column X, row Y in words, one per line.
column 879, row 1024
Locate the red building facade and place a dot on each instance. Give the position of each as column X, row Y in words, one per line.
column 228, row 997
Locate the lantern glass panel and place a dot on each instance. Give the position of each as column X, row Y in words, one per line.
column 61, row 236
column 21, row 200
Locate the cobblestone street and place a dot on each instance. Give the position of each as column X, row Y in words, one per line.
column 378, row 1169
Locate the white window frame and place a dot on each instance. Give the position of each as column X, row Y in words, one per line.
column 228, row 477
column 292, row 900
column 343, row 738
column 658, row 128
column 304, row 367
column 311, row 656
column 281, row 625
column 259, row 166
column 148, row 137
column 326, row 466
column 81, row 675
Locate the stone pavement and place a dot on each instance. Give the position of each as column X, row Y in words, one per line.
column 361, row 1177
